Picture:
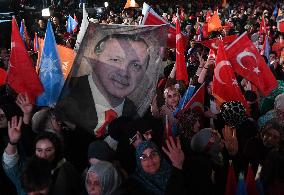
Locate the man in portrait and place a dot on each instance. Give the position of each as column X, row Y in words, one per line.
column 114, row 74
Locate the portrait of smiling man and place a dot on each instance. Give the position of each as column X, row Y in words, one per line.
column 114, row 74
column 119, row 65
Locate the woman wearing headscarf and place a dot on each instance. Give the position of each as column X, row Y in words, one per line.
column 153, row 174
column 103, row 179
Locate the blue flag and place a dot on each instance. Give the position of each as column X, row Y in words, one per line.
column 22, row 31
column 241, row 187
column 50, row 71
column 186, row 97
column 275, row 11
column 267, row 49
column 71, row 24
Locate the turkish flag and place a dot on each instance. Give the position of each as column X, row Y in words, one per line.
column 152, row 18
column 280, row 25
column 262, row 28
column 3, row 76
column 225, row 85
column 250, row 181
column 196, row 102
column 22, row 76
column 181, row 71
column 214, row 23
column 247, row 62
column 231, row 185
column 213, row 43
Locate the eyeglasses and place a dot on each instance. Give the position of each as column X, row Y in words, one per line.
column 152, row 155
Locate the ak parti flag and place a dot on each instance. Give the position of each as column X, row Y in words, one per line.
column 50, row 71
column 231, row 184
column 71, row 24
column 3, row 76
column 152, row 18
column 250, row 181
column 213, row 43
column 181, row 71
column 241, row 187
column 67, row 56
column 266, row 48
column 214, row 23
column 247, row 62
column 225, row 85
column 22, row 76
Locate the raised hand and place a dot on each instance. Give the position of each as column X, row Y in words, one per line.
column 174, row 152
column 24, row 103
column 14, row 129
column 230, row 139
column 26, row 106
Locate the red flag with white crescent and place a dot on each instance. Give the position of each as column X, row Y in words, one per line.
column 22, row 76
column 225, row 86
column 181, row 71
column 247, row 62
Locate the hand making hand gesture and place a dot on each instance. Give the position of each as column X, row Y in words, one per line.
column 174, row 152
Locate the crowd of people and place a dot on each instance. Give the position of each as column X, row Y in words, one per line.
column 43, row 153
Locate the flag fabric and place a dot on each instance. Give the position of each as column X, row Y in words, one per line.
column 76, row 28
column 266, row 48
column 211, row 54
column 185, row 98
column 262, row 28
column 247, row 62
column 213, row 43
column 225, row 86
column 280, row 25
column 250, row 182
column 231, row 184
column 208, row 15
column 241, row 187
column 66, row 55
column 181, row 71
column 224, row 3
column 24, row 34
column 3, row 76
column 214, row 23
column 22, row 76
column 36, row 44
column 71, row 24
column 279, row 12
column 275, row 11
column 204, row 31
column 258, row 183
column 130, row 4
column 83, row 28
column 196, row 102
column 22, row 30
column 152, row 18
column 50, row 71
